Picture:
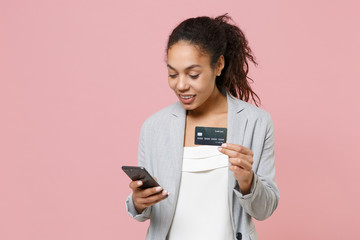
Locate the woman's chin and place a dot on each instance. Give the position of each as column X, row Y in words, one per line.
column 188, row 106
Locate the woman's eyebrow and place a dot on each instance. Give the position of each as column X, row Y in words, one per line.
column 189, row 67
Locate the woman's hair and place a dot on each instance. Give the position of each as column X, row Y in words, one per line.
column 217, row 37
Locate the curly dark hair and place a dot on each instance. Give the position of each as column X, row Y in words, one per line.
column 216, row 36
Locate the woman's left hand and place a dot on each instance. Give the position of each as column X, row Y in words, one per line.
column 241, row 159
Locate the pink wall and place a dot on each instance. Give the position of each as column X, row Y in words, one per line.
column 77, row 79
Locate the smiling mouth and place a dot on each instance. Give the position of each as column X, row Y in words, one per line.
column 187, row 96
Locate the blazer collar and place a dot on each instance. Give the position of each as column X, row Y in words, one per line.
column 234, row 105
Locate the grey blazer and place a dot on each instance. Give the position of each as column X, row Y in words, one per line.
column 161, row 151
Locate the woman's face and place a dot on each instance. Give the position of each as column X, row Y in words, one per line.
column 190, row 75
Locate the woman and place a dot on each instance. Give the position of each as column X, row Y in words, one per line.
column 207, row 192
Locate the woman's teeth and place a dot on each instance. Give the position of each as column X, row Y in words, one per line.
column 187, row 97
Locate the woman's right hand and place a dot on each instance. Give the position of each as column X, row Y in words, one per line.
column 144, row 198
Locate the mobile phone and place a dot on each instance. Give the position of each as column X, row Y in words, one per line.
column 140, row 173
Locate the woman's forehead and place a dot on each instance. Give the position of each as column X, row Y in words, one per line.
column 184, row 54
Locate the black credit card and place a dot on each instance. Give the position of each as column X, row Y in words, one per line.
column 210, row 136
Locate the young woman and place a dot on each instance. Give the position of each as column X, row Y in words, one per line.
column 207, row 191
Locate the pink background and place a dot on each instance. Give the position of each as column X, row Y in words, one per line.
column 78, row 78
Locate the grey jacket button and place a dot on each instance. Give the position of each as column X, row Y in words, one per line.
column 238, row 236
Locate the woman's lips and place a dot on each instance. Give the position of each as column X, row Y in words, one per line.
column 187, row 99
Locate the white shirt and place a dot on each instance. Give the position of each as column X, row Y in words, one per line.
column 202, row 210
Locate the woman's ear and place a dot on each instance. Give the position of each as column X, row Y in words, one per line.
column 220, row 65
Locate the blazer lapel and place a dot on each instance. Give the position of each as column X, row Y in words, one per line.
column 236, row 125
column 175, row 162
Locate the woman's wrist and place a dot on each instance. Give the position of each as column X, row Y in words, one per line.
column 245, row 186
column 138, row 209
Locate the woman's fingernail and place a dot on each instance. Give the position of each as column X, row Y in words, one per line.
column 139, row 183
column 223, row 145
column 220, row 148
column 158, row 189
column 164, row 192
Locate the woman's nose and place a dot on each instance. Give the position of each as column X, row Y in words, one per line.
column 182, row 83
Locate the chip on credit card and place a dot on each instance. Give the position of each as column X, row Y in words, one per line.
column 210, row 136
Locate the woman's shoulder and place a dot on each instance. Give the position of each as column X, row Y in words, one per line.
column 255, row 115
column 251, row 110
column 164, row 114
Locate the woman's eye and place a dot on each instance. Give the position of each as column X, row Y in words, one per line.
column 172, row 75
column 194, row 76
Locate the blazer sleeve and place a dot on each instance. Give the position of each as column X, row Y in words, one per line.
column 264, row 195
column 144, row 215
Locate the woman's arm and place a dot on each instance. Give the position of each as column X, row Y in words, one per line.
column 139, row 202
column 257, row 191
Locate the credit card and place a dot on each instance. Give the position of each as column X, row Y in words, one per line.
column 210, row 136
